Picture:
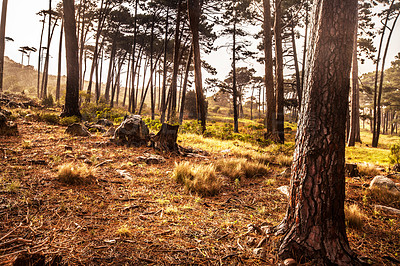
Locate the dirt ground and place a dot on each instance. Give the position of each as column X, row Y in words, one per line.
column 141, row 216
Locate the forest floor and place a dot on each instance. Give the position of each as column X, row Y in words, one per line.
column 145, row 217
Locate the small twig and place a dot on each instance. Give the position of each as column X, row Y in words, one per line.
column 9, row 233
column 16, row 240
column 102, row 163
column 230, row 255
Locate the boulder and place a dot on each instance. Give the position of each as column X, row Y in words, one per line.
column 132, row 131
column 151, row 158
column 383, row 182
column 105, row 122
column 77, row 130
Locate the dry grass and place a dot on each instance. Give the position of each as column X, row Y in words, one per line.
column 382, row 196
column 240, row 168
column 354, row 216
column 73, row 174
column 367, row 169
column 201, row 179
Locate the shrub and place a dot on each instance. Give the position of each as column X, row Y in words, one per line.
column 394, row 155
column 201, row 179
column 49, row 118
column 73, row 174
column 69, row 120
column 241, row 168
column 366, row 169
column 354, row 216
column 48, row 101
column 382, row 196
column 154, row 125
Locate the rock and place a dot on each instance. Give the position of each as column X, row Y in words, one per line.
column 382, row 182
column 151, row 158
column 396, row 167
column 260, row 252
column 77, row 130
column 388, row 209
column 105, row 122
column 289, row 262
column 351, row 170
column 284, row 190
column 225, row 151
column 95, row 128
column 132, row 131
column 125, row 174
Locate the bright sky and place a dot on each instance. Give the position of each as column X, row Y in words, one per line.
column 24, row 27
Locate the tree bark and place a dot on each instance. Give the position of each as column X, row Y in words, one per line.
column 269, row 70
column 185, row 82
column 314, row 227
column 71, row 107
column 194, row 19
column 280, row 116
column 2, row 40
column 354, row 130
column 58, row 86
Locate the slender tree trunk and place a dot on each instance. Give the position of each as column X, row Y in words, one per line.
column 46, row 64
column 269, row 75
column 234, row 85
column 3, row 40
column 164, row 86
column 152, row 107
column 296, row 66
column 58, row 86
column 71, row 107
column 280, row 116
column 40, row 56
column 354, row 130
column 185, row 82
column 377, row 107
column 174, row 81
column 378, row 122
column 110, row 71
column 314, row 227
column 194, row 10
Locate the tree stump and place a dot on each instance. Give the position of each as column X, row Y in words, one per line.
column 165, row 140
column 7, row 128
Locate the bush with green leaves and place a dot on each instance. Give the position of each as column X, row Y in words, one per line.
column 154, row 125
column 394, row 155
column 50, row 118
column 69, row 120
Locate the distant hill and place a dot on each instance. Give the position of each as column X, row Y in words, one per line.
column 20, row 78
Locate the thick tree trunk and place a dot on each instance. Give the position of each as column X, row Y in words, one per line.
column 165, row 140
column 194, row 18
column 314, row 227
column 2, row 40
column 269, row 70
column 280, row 116
column 71, row 107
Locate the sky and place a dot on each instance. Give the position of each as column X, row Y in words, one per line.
column 23, row 25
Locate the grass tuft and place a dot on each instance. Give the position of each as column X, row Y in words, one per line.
column 73, row 174
column 240, row 168
column 201, row 179
column 382, row 196
column 124, row 230
column 354, row 216
column 367, row 169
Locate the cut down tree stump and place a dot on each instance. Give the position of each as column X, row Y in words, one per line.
column 7, row 128
column 165, row 140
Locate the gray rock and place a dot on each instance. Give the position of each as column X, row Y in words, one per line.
column 382, row 182
column 284, row 190
column 77, row 130
column 260, row 252
column 151, row 158
column 132, row 131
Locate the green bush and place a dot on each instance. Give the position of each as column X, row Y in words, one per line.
column 69, row 120
column 154, row 125
column 394, row 155
column 49, row 118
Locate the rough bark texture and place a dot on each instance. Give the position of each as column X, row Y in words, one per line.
column 314, row 226
column 194, row 18
column 165, row 140
column 71, row 107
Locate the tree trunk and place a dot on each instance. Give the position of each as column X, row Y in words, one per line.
column 296, row 66
column 58, row 86
column 269, row 70
column 280, row 116
column 152, row 67
column 110, row 71
column 46, row 64
column 71, row 107
column 194, row 10
column 40, row 56
column 314, row 227
column 189, row 60
column 174, row 81
column 164, row 86
column 3, row 40
column 165, row 140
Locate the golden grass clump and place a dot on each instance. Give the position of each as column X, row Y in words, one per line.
column 354, row 216
column 201, row 179
column 367, row 169
column 240, row 168
column 73, row 174
column 124, row 230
